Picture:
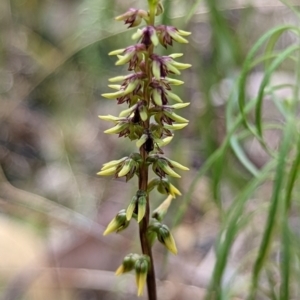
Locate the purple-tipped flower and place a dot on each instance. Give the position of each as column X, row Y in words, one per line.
column 133, row 17
column 132, row 55
column 147, row 36
column 131, row 86
column 163, row 65
column 158, row 94
column 166, row 35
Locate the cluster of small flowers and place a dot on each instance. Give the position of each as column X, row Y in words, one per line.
column 150, row 120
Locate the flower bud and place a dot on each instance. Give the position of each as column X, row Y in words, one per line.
column 166, row 238
column 161, row 210
column 133, row 17
column 127, row 264
column 118, row 223
column 141, row 270
column 165, row 187
column 126, row 167
column 142, row 202
column 152, row 184
column 159, row 9
column 139, row 202
column 131, row 207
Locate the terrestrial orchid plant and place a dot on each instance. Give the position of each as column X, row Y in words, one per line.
column 150, row 120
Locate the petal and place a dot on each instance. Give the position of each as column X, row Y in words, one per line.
column 170, row 244
column 184, row 33
column 176, row 117
column 175, row 126
column 112, row 226
column 172, row 68
column 157, row 97
column 116, row 129
column 116, row 52
column 174, row 81
column 168, row 170
column 141, row 208
column 181, row 66
column 113, row 95
column 143, row 113
column 142, row 140
column 176, row 37
column 113, row 163
column 109, row 118
column 156, row 69
column 107, row 172
column 174, row 191
column 178, row 165
column 180, row 105
column 126, row 168
column 165, row 141
column 128, row 111
column 137, row 35
column 117, row 78
column 130, row 209
column 131, row 86
column 120, row 270
column 161, row 210
column 154, row 38
column 175, row 55
column 124, row 59
column 174, row 96
column 141, row 281
column 115, row 86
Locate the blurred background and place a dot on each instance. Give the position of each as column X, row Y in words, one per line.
column 53, row 208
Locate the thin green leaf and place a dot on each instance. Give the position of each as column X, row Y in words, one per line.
column 269, row 228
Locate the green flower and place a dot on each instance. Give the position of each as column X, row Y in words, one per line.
column 111, row 167
column 141, row 271
column 161, row 210
column 165, row 237
column 138, row 202
column 168, row 34
column 118, row 223
column 127, row 264
column 163, row 234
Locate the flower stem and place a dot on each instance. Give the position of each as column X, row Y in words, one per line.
column 143, row 181
column 143, row 185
